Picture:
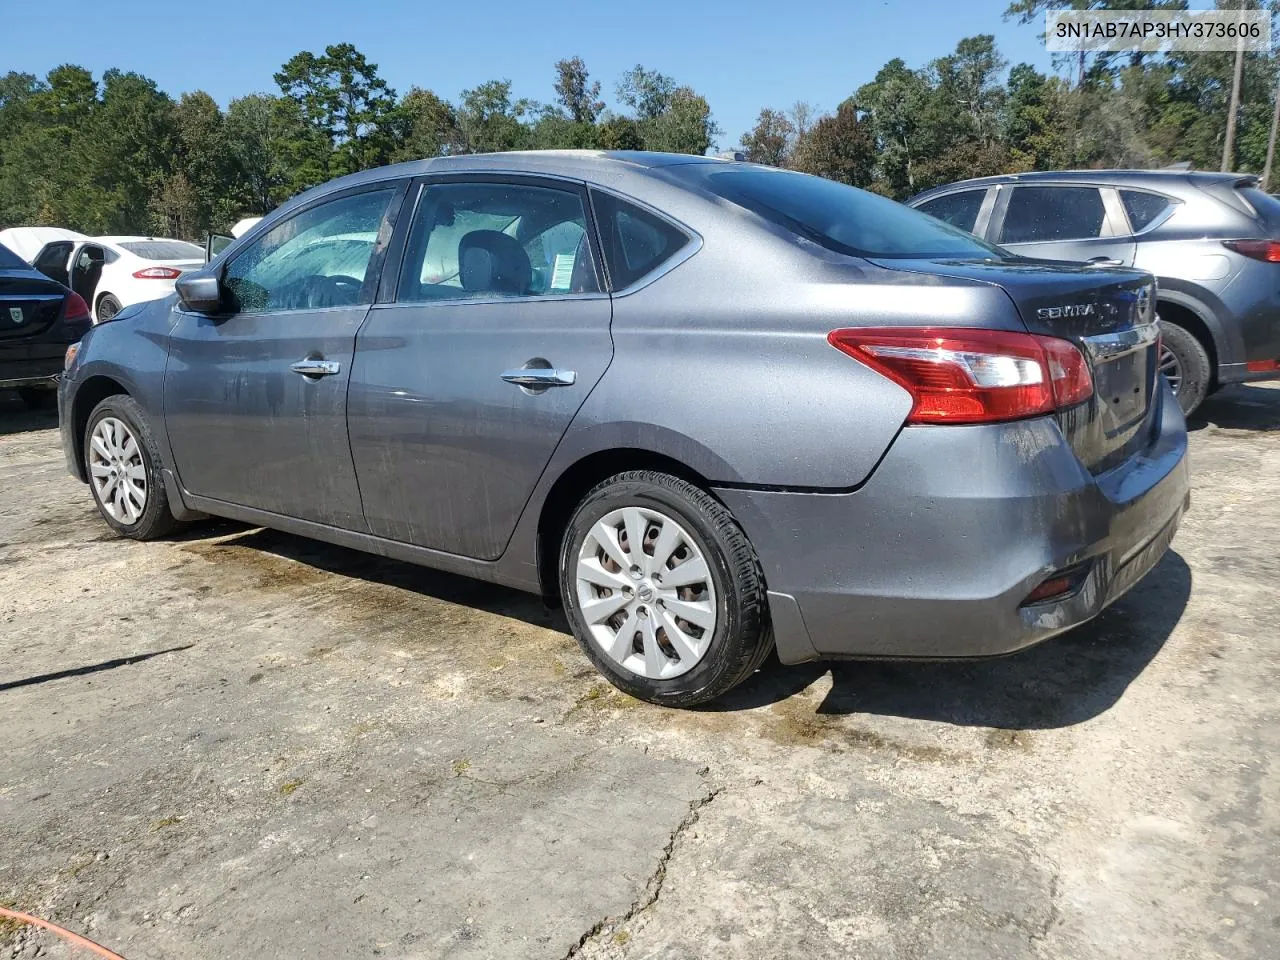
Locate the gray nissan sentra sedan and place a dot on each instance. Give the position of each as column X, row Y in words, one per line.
column 715, row 408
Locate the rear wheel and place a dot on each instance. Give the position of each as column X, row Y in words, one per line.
column 662, row 589
column 108, row 307
column 123, row 464
column 1184, row 362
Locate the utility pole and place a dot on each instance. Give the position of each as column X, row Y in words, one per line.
column 1229, row 144
column 1271, row 143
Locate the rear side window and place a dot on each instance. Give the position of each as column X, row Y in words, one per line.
column 636, row 242
column 958, row 209
column 478, row 241
column 1143, row 208
column 1037, row 214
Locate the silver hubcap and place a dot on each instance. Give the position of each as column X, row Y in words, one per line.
column 116, row 469
column 646, row 593
column 1171, row 368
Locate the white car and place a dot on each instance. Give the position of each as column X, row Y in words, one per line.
column 113, row 272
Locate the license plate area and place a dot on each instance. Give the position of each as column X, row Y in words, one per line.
column 1123, row 387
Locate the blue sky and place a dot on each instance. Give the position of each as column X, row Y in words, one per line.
column 741, row 55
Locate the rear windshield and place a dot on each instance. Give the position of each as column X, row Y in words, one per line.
column 163, row 249
column 1268, row 207
column 11, row 261
column 842, row 218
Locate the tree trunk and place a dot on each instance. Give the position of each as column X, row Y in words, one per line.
column 1271, row 143
column 1229, row 144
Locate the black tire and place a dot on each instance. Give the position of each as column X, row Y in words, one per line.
column 1193, row 364
column 156, row 519
column 108, row 307
column 36, row 399
column 742, row 637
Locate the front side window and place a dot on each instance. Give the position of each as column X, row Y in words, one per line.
column 316, row 259
column 958, row 209
column 1038, row 214
column 477, row 241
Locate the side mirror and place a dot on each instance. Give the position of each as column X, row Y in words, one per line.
column 214, row 244
column 199, row 292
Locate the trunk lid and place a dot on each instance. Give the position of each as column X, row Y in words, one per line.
column 29, row 304
column 1109, row 313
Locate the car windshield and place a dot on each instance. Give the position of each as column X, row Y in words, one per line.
column 11, row 261
column 843, row 218
column 163, row 249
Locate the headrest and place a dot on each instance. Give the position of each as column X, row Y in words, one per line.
column 489, row 261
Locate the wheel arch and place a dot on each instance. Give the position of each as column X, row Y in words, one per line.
column 574, row 483
column 88, row 395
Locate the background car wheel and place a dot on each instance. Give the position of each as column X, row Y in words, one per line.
column 108, row 307
column 662, row 589
column 1185, row 364
column 123, row 465
column 37, row 399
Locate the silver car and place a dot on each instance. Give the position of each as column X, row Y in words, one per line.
column 1212, row 240
column 716, row 409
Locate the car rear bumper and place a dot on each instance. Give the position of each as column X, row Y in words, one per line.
column 935, row 554
column 30, row 372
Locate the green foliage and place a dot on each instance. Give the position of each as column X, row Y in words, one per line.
column 116, row 154
column 771, row 139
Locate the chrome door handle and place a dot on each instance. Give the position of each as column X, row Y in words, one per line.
column 312, row 367
column 1104, row 262
column 539, row 377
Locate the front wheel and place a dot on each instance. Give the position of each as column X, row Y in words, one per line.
column 662, row 589
column 123, row 465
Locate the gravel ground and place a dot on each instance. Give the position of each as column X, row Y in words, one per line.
column 241, row 743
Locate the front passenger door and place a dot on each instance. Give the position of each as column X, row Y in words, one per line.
column 255, row 399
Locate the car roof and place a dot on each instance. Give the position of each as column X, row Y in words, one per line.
column 118, row 240
column 586, row 165
column 26, row 242
column 1153, row 179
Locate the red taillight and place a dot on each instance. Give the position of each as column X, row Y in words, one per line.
column 960, row 375
column 1266, row 250
column 158, row 273
column 77, row 309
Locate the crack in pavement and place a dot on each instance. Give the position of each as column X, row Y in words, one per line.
column 653, row 888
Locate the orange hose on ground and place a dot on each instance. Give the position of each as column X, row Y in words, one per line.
column 73, row 938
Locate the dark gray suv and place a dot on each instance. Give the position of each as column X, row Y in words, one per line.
column 1211, row 239
column 714, row 407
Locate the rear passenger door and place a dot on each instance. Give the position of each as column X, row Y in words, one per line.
column 1079, row 222
column 481, row 348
